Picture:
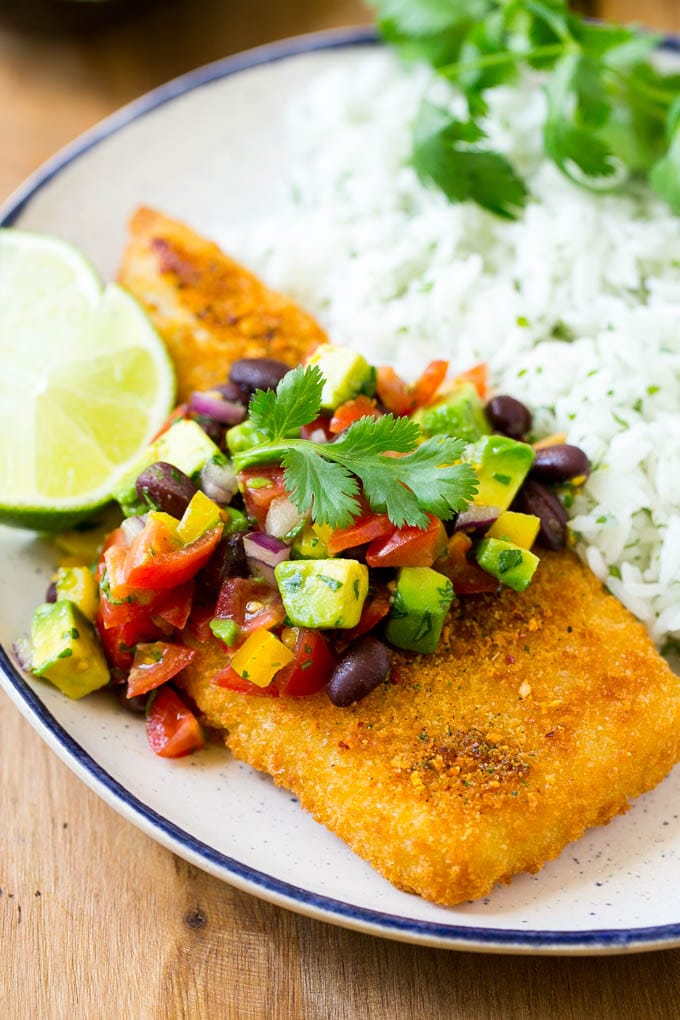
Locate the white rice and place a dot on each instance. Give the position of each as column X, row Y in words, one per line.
column 575, row 307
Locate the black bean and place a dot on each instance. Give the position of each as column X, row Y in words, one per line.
column 230, row 391
column 164, row 487
column 227, row 560
column 535, row 498
column 137, row 704
column 559, row 463
column 251, row 374
column 51, row 593
column 363, row 667
column 509, row 416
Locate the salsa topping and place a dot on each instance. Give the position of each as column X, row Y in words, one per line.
column 340, row 516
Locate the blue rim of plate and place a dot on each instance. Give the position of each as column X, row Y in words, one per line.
column 565, row 942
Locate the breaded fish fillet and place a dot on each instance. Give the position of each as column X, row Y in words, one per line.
column 541, row 714
column 209, row 309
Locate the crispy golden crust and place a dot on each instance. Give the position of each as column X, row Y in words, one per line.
column 209, row 309
column 540, row 715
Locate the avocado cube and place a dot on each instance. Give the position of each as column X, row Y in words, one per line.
column 323, row 593
column 185, row 445
column 421, row 601
column 77, row 585
column 346, row 374
column 65, row 650
column 502, row 464
column 461, row 413
column 507, row 562
column 244, row 436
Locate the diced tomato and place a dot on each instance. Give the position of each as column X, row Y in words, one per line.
column 172, row 729
column 156, row 561
column 119, row 641
column 155, row 663
column 231, row 681
column 366, row 528
column 466, row 577
column 250, row 604
column 260, row 486
column 408, row 546
column 376, row 608
column 393, row 392
column 181, row 411
column 353, row 410
column 311, row 670
column 478, row 375
column 198, row 624
column 322, row 422
column 402, row 399
column 429, row 382
column 174, row 606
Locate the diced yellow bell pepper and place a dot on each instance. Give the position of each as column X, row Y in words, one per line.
column 324, row 531
column 167, row 520
column 77, row 584
column 261, row 657
column 201, row 515
column 308, row 545
column 520, row 529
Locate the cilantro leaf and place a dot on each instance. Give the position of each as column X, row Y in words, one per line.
column 326, row 488
column 607, row 102
column 665, row 174
column 445, row 152
column 295, row 402
column 398, row 476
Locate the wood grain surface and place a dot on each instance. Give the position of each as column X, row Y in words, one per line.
column 96, row 920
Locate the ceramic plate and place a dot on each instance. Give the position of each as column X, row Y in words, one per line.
column 607, row 893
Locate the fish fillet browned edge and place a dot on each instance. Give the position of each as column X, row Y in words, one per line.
column 539, row 715
column 208, row 308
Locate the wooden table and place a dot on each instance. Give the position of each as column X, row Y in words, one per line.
column 96, row 920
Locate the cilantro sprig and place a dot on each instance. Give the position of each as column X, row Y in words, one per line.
column 399, row 475
column 611, row 114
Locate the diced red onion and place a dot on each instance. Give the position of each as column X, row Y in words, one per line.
column 219, row 482
column 212, row 404
column 282, row 517
column 476, row 518
column 263, row 552
column 22, row 651
column 318, row 436
column 132, row 526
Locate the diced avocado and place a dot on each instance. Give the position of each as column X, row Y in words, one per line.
column 521, row 529
column 65, row 651
column 308, row 545
column 502, row 464
column 323, row 593
column 233, row 520
column 507, row 562
column 225, row 630
column 421, row 601
column 460, row 413
column 77, row 585
column 346, row 374
column 185, row 445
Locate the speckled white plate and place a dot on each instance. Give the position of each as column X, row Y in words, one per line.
column 613, row 891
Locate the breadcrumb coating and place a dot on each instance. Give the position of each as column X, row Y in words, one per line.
column 540, row 714
column 208, row 308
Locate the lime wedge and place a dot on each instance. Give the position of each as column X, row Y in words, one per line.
column 85, row 383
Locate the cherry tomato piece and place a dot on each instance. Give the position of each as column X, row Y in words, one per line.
column 231, row 681
column 250, row 604
column 351, row 411
column 155, row 663
column 156, row 561
column 260, row 486
column 311, row 670
column 172, row 729
column 366, row 528
column 429, row 382
column 408, row 546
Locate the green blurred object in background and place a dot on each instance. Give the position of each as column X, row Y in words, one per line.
column 60, row 15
